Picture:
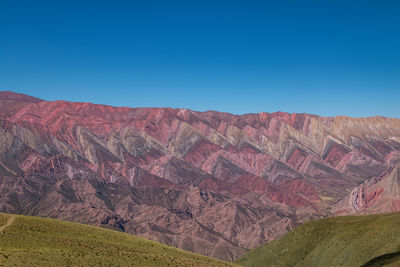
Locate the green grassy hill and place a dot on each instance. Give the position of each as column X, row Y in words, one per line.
column 33, row 241
column 341, row 241
column 372, row 240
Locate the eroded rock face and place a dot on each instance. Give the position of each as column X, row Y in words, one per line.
column 209, row 182
column 380, row 194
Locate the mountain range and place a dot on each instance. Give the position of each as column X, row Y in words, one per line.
column 213, row 183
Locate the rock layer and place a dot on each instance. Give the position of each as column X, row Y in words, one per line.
column 209, row 182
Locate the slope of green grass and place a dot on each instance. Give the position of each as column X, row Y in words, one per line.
column 34, row 241
column 338, row 241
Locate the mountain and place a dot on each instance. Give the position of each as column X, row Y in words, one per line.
column 377, row 195
column 372, row 240
column 209, row 182
column 34, row 241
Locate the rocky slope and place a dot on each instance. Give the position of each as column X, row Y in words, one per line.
column 377, row 195
column 209, row 182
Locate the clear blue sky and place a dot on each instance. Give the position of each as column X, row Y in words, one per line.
column 323, row 57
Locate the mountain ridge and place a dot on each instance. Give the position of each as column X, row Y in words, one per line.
column 11, row 93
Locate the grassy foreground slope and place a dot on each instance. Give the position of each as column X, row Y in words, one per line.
column 372, row 240
column 33, row 241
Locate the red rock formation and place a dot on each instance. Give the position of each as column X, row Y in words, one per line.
column 377, row 195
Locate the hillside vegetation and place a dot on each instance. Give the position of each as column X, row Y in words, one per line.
column 372, row 240
column 34, row 241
